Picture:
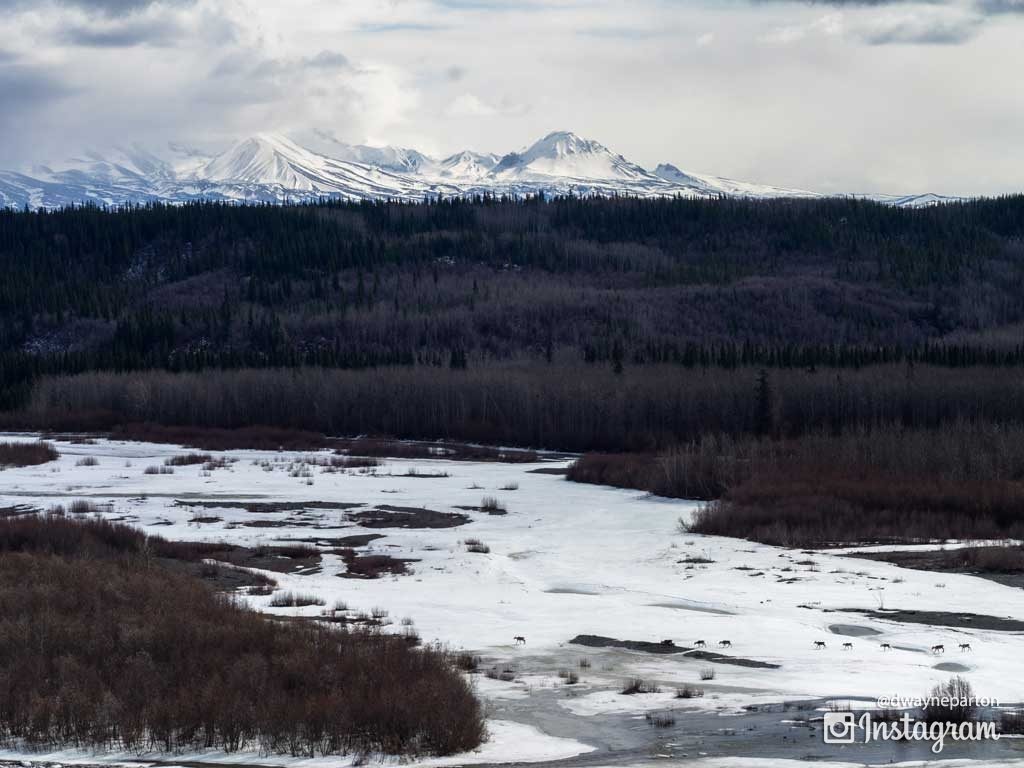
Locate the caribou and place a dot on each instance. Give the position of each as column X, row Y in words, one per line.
column 725, row 643
column 700, row 644
column 819, row 644
column 965, row 647
column 847, row 646
column 937, row 649
column 520, row 640
column 886, row 647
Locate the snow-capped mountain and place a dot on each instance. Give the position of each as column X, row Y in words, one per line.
column 466, row 166
column 564, row 155
column 273, row 168
column 269, row 163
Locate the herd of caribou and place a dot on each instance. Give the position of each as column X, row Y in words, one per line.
column 819, row 645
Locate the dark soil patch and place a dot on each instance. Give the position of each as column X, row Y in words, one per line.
column 215, row 439
column 387, row 516
column 548, row 471
column 399, row 449
column 360, row 540
column 271, row 507
column 945, row 619
column 17, row 511
column 280, row 559
column 206, row 519
column 219, row 577
column 597, row 641
column 852, row 630
column 1003, row 565
column 372, row 566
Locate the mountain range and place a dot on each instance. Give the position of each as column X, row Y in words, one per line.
column 273, row 168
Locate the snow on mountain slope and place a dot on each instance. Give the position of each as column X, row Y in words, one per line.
column 467, row 166
column 274, row 169
column 394, row 159
column 268, row 167
column 715, row 185
column 565, row 155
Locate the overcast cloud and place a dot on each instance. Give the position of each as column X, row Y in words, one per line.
column 832, row 95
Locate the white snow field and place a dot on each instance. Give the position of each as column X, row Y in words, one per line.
column 568, row 559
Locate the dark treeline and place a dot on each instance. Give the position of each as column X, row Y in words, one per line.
column 571, row 408
column 102, row 648
column 468, row 283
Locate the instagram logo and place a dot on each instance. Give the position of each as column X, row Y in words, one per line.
column 839, row 727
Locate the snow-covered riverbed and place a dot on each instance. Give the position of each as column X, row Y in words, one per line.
column 567, row 560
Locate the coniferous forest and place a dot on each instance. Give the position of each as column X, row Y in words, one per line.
column 576, row 323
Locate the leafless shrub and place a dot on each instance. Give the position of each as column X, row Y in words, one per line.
column 467, row 662
column 26, row 454
column 951, row 702
column 246, row 682
column 492, row 506
column 294, row 600
column 637, row 685
column 187, row 459
column 570, row 677
column 660, row 719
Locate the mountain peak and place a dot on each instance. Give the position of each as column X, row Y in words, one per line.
column 564, row 144
column 567, row 155
column 264, row 158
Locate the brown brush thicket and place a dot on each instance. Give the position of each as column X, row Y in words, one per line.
column 24, row 454
column 575, row 407
column 100, row 647
column 962, row 481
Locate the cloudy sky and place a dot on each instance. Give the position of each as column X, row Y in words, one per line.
column 854, row 96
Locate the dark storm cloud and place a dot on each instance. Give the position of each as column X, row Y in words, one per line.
column 931, row 32
column 986, row 7
column 996, row 7
column 131, row 32
column 104, row 7
column 25, row 86
column 850, row 3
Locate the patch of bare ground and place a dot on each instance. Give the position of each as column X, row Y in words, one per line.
column 17, row 511
column 1004, row 565
column 272, row 507
column 597, row 641
column 398, row 449
column 217, row 439
column 359, row 540
column 387, row 516
column 276, row 524
column 371, row 566
column 945, row 619
column 280, row 559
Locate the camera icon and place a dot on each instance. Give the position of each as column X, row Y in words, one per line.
column 839, row 728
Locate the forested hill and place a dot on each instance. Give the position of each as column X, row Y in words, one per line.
column 465, row 283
